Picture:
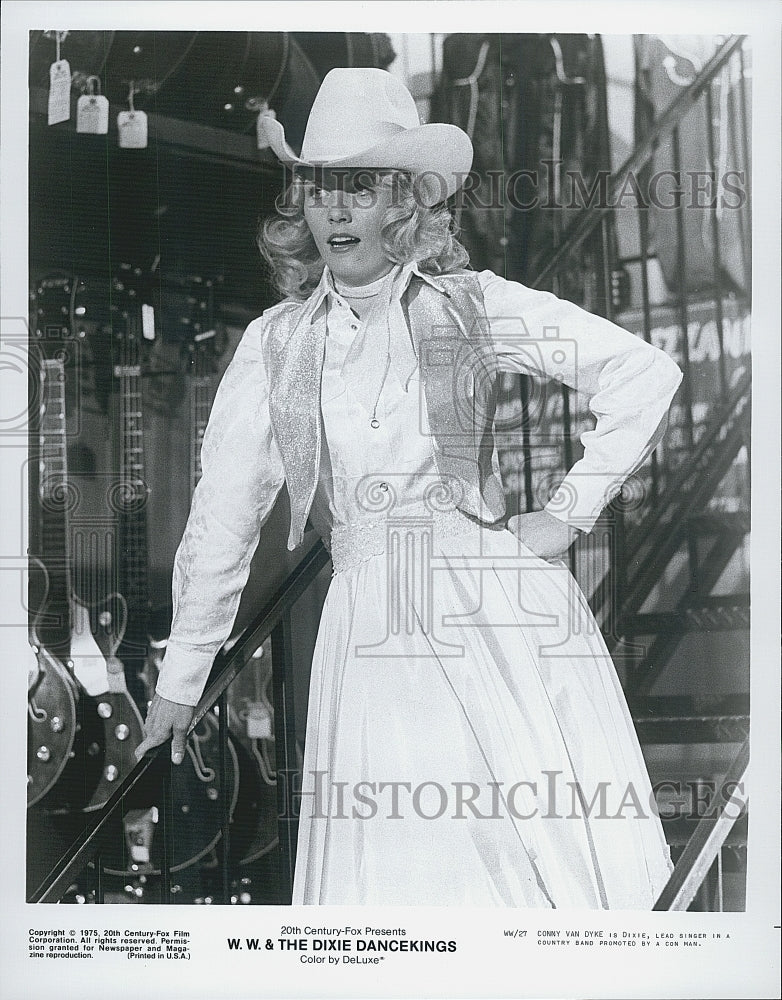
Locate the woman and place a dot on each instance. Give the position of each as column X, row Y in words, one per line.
column 467, row 738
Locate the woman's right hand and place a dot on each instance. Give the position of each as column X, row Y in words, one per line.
column 166, row 719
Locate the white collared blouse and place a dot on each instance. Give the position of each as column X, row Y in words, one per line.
column 629, row 386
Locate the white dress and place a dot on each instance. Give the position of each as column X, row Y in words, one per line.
column 468, row 741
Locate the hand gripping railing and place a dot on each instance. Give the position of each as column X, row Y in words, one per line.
column 274, row 621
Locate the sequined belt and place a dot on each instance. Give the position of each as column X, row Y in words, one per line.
column 364, row 539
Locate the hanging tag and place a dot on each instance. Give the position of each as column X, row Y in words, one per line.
column 92, row 114
column 259, row 721
column 59, row 92
column 147, row 321
column 260, row 126
column 132, row 127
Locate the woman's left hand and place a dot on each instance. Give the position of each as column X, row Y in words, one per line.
column 542, row 533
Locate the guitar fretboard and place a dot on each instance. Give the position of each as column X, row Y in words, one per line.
column 131, row 492
column 55, row 499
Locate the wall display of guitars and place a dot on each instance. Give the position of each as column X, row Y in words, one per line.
column 74, row 639
column 251, row 715
column 96, row 636
column 53, row 721
column 188, row 314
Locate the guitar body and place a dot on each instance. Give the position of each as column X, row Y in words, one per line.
column 51, row 723
column 65, row 736
column 106, row 701
column 195, row 786
column 115, row 661
column 196, row 809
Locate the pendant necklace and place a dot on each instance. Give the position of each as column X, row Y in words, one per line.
column 373, row 292
column 374, row 422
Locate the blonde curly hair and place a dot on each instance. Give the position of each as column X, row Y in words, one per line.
column 410, row 231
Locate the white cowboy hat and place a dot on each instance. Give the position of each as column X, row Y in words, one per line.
column 367, row 118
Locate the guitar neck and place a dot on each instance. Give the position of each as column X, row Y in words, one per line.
column 133, row 489
column 53, row 503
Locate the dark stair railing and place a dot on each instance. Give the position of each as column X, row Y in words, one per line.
column 652, row 544
column 275, row 621
column 645, row 551
column 708, row 838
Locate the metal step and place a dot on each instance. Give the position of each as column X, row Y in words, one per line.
column 714, row 613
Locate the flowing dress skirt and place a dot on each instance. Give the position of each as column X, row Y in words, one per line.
column 468, row 741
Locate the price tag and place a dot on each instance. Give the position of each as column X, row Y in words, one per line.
column 92, row 114
column 147, row 321
column 132, row 127
column 259, row 721
column 59, row 92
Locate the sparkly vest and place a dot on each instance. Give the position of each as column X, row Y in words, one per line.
column 449, row 330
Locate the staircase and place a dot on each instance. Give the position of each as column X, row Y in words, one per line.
column 683, row 554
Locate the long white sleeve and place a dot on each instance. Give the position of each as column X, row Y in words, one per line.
column 242, row 475
column 628, row 383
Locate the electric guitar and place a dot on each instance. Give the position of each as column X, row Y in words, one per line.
column 251, row 714
column 59, row 784
column 51, row 693
column 109, row 720
column 195, row 784
column 251, row 723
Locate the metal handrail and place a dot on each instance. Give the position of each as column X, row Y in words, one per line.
column 585, row 224
column 263, row 625
column 97, row 828
column 707, row 839
column 682, row 499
